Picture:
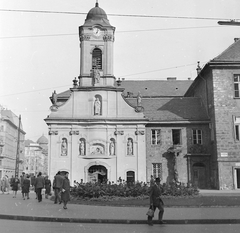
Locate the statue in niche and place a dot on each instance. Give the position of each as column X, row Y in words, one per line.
column 129, row 147
column 96, row 75
column 112, row 148
column 97, row 107
column 82, row 147
column 64, row 147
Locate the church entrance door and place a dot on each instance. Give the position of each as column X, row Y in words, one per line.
column 199, row 175
column 97, row 173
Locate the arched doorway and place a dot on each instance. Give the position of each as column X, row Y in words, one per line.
column 199, row 175
column 97, row 173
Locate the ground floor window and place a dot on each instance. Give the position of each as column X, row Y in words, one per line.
column 157, row 170
column 130, row 177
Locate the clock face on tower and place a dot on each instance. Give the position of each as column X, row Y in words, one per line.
column 96, row 31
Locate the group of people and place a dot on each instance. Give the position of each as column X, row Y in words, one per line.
column 61, row 186
column 5, row 185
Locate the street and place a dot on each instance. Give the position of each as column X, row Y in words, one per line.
column 12, row 226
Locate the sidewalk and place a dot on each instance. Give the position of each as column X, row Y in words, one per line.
column 32, row 210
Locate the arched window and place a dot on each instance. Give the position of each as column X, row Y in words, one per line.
column 97, row 59
column 130, row 177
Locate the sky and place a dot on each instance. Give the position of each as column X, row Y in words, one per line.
column 156, row 39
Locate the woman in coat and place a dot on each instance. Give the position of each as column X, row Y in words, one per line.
column 15, row 186
column 47, row 184
column 25, row 187
column 65, row 191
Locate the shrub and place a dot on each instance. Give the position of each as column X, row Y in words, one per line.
column 124, row 190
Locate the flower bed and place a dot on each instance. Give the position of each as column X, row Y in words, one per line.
column 107, row 191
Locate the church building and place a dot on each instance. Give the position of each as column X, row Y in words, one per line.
column 95, row 134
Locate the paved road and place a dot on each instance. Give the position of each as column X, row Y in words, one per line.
column 16, row 208
column 11, row 226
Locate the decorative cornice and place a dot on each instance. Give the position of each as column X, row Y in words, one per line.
column 74, row 132
column 108, row 37
column 53, row 132
column 140, row 132
column 139, row 109
column 84, row 37
column 120, row 132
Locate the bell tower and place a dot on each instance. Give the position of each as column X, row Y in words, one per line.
column 96, row 49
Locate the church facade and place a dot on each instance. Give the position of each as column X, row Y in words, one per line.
column 96, row 134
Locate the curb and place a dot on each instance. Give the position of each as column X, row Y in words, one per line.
column 118, row 221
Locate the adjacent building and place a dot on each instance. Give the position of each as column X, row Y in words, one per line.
column 36, row 156
column 11, row 143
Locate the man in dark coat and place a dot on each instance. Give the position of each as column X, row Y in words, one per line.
column 65, row 191
column 39, row 185
column 156, row 201
column 57, row 185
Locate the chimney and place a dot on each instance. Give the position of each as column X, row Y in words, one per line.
column 236, row 39
column 171, row 78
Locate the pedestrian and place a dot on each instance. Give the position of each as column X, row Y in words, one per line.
column 2, row 185
column 15, row 185
column 156, row 201
column 47, row 185
column 57, row 185
column 25, row 187
column 65, row 191
column 39, row 185
column 22, row 177
column 6, row 185
column 152, row 181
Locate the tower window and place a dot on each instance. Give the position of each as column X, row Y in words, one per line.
column 97, row 59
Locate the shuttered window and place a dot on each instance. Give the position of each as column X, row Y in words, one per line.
column 97, row 59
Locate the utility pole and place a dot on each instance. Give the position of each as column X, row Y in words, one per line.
column 18, row 147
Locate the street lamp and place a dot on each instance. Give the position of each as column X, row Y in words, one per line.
column 229, row 23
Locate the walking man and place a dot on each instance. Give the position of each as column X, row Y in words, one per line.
column 39, row 184
column 156, row 201
column 57, row 185
column 65, row 191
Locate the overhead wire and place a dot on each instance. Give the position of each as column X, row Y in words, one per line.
column 120, row 76
column 119, row 15
column 128, row 31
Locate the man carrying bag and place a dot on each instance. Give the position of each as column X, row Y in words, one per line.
column 155, row 202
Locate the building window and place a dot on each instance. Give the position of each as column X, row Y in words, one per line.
column 157, row 170
column 197, row 136
column 97, row 59
column 236, row 78
column 176, row 137
column 237, row 128
column 155, row 136
column 130, row 177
